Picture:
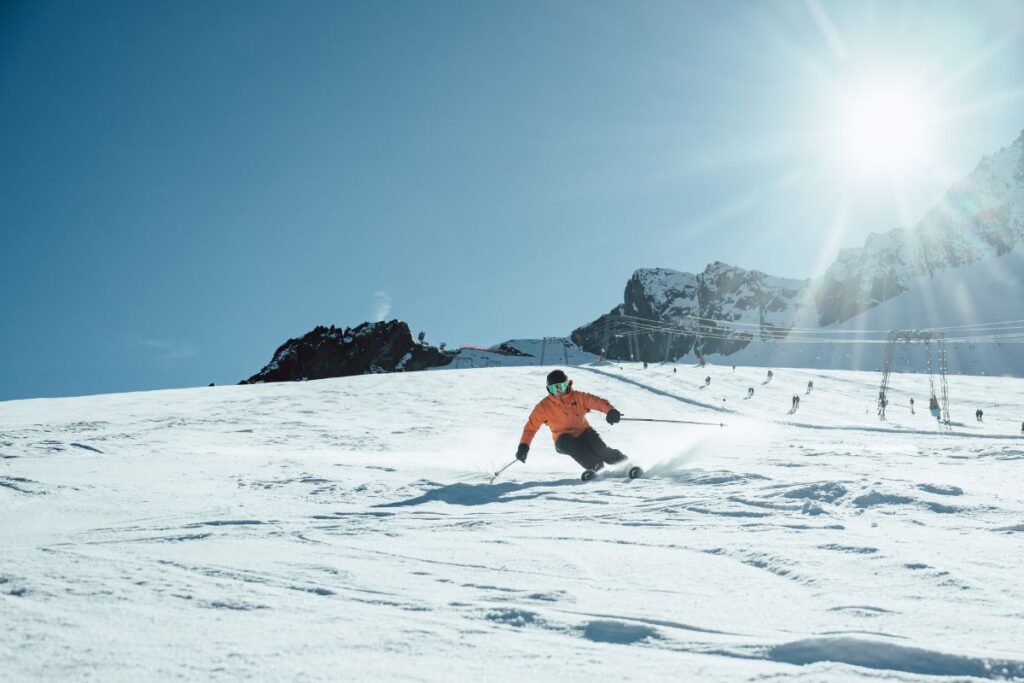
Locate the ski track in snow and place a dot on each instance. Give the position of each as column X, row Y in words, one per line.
column 346, row 529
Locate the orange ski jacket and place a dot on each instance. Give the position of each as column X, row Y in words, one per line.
column 565, row 414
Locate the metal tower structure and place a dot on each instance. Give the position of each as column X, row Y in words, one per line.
column 917, row 337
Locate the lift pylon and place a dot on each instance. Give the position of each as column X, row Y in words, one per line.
column 939, row 409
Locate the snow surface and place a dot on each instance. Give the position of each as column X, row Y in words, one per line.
column 345, row 529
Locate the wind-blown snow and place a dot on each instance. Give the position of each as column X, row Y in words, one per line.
column 345, row 529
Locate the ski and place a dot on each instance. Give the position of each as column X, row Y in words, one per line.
column 633, row 472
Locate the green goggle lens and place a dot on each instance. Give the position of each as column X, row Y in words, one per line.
column 558, row 388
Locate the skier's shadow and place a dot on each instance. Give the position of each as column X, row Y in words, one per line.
column 481, row 494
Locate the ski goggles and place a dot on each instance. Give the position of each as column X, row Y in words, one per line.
column 558, row 388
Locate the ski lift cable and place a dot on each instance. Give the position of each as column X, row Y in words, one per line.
column 994, row 326
column 783, row 335
column 781, row 338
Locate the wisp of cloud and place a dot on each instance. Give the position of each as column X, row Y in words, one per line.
column 381, row 304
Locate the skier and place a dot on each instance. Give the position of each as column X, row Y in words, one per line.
column 707, row 381
column 912, row 406
column 882, row 403
column 673, row 371
column 750, row 392
column 770, row 375
column 564, row 411
column 978, row 414
column 796, row 404
column 810, row 386
column 645, row 365
column 1022, row 428
column 933, row 407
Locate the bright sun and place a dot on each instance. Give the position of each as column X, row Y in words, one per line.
column 884, row 129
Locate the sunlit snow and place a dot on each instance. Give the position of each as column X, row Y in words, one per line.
column 345, row 529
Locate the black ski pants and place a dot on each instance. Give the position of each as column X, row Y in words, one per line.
column 588, row 450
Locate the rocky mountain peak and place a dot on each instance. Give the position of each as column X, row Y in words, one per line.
column 690, row 301
column 371, row 347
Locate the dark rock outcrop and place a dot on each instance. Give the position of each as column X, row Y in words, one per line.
column 506, row 349
column 341, row 352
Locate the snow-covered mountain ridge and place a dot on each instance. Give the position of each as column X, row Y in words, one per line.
column 979, row 218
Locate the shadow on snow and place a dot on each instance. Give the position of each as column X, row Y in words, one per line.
column 482, row 494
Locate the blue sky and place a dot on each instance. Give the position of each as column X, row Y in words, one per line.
column 185, row 185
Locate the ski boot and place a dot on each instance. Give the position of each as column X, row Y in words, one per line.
column 589, row 474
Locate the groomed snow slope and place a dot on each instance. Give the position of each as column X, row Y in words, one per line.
column 345, row 529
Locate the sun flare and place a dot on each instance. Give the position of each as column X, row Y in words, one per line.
column 884, row 128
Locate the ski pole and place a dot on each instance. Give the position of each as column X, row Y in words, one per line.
column 502, row 470
column 681, row 422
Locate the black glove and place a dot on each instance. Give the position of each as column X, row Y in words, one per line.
column 521, row 453
column 613, row 416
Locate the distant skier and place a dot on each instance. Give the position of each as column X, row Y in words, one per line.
column 810, row 386
column 978, row 414
column 882, row 403
column 645, row 365
column 707, row 381
column 770, row 375
column 673, row 371
column 564, row 411
column 933, row 407
column 1022, row 428
column 912, row 407
column 796, row 404
column 734, row 369
column 750, row 392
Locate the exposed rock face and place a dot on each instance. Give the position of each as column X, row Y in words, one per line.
column 341, row 352
column 759, row 303
column 506, row 349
